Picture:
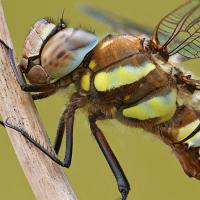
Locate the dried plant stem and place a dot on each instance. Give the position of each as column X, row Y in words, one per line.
column 46, row 178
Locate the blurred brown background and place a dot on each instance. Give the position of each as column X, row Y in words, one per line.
column 152, row 170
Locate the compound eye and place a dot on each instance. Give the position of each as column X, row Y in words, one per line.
column 37, row 75
column 66, row 50
column 81, row 39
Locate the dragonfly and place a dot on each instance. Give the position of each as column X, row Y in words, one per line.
column 133, row 77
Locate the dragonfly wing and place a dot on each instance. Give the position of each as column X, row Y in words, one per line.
column 116, row 22
column 178, row 33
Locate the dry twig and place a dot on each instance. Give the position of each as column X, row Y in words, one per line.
column 46, row 178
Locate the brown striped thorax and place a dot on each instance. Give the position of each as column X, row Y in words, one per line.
column 133, row 78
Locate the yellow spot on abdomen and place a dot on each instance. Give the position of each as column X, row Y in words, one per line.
column 85, row 82
column 188, row 129
column 121, row 76
column 162, row 107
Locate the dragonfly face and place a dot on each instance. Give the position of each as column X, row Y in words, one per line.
column 52, row 51
column 127, row 77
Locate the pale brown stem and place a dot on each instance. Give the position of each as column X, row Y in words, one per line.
column 46, row 178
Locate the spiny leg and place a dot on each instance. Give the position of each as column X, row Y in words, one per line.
column 63, row 82
column 67, row 120
column 42, row 95
column 60, row 132
column 36, row 143
column 123, row 184
column 66, row 124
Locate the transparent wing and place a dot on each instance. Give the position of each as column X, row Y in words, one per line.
column 116, row 22
column 178, row 33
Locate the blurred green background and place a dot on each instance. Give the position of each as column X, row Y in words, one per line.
column 152, row 170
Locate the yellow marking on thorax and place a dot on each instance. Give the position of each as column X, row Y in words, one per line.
column 188, row 129
column 92, row 64
column 162, row 107
column 121, row 76
column 85, row 82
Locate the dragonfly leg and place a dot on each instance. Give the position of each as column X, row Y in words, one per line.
column 122, row 182
column 66, row 123
column 34, row 141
